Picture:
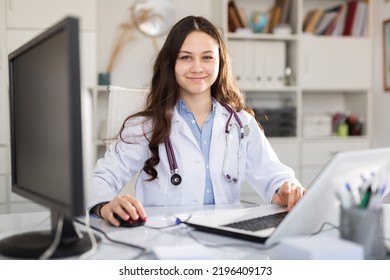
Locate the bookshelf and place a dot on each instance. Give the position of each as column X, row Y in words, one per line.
column 330, row 81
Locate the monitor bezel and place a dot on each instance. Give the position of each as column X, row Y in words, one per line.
column 63, row 239
column 70, row 27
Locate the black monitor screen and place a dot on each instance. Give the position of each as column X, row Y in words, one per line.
column 46, row 136
column 46, row 122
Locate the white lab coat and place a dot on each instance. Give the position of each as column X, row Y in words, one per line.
column 260, row 165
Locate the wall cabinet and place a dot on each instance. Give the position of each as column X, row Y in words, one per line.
column 336, row 63
column 330, row 75
column 21, row 20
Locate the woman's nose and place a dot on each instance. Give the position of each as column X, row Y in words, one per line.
column 196, row 66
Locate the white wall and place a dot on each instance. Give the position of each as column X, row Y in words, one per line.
column 135, row 66
column 381, row 99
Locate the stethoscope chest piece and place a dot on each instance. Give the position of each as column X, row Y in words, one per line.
column 176, row 179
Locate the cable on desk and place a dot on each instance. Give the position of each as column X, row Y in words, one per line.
column 92, row 237
column 48, row 253
column 322, row 228
column 339, row 229
column 113, row 240
column 178, row 222
column 56, row 241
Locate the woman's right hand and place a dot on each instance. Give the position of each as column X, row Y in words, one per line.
column 125, row 206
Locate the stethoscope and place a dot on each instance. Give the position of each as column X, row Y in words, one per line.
column 243, row 131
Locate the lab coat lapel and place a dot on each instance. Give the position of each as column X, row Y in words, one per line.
column 182, row 127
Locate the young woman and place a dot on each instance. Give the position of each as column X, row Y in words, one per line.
column 195, row 142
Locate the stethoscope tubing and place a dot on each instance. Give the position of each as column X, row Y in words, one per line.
column 227, row 176
column 176, row 178
column 171, row 156
column 238, row 120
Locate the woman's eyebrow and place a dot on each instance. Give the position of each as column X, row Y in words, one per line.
column 208, row 51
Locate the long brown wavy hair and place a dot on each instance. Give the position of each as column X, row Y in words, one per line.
column 164, row 90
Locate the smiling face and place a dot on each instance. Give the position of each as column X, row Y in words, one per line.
column 197, row 64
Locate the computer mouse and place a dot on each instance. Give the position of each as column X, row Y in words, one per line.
column 130, row 222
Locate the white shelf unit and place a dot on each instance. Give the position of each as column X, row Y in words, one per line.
column 99, row 96
column 331, row 74
column 20, row 21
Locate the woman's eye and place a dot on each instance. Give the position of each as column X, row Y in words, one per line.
column 185, row 57
column 208, row 58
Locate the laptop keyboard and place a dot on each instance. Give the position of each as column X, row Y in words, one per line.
column 259, row 223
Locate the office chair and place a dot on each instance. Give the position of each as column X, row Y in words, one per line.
column 123, row 102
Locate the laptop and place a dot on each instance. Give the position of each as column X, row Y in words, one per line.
column 320, row 205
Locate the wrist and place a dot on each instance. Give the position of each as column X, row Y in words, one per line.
column 98, row 209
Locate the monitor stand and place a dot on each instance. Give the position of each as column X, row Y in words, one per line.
column 32, row 245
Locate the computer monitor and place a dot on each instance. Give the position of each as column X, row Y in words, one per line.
column 46, row 139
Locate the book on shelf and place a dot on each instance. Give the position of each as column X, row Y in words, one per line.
column 339, row 9
column 356, row 18
column 351, row 12
column 361, row 19
column 346, row 19
column 243, row 16
column 268, row 24
column 276, row 11
column 285, row 16
column 311, row 20
column 324, row 22
column 366, row 24
column 340, row 23
column 234, row 18
column 279, row 14
column 330, row 18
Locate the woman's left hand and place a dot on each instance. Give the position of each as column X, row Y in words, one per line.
column 289, row 194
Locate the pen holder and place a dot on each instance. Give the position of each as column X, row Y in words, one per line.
column 364, row 226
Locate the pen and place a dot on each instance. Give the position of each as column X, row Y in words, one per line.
column 381, row 191
column 366, row 198
column 376, row 199
column 349, row 189
column 345, row 202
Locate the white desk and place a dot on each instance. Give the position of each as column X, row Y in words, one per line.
column 221, row 247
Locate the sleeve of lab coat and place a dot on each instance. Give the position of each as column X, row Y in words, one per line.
column 120, row 163
column 264, row 171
